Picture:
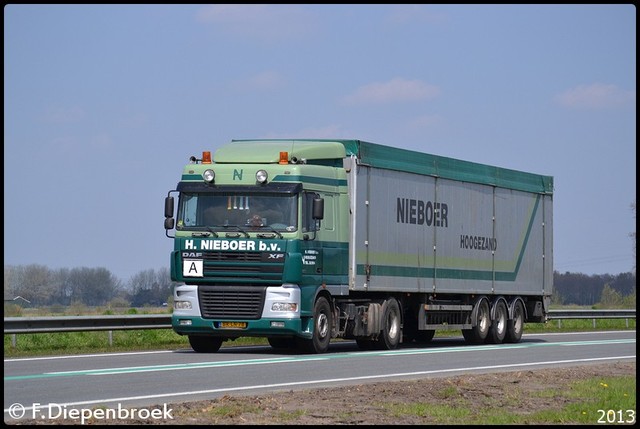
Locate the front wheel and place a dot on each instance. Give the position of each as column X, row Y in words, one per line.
column 205, row 344
column 322, row 323
column 285, row 343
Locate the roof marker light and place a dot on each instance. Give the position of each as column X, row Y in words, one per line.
column 206, row 157
column 284, row 158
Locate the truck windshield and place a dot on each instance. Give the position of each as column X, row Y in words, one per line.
column 206, row 211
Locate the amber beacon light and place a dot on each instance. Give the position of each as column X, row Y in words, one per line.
column 284, row 158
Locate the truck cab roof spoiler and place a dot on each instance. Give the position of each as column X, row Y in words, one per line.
column 272, row 187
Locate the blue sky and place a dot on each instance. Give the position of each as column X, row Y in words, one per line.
column 104, row 104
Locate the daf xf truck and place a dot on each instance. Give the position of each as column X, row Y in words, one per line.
column 303, row 241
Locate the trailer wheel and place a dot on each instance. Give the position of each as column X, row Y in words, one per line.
column 389, row 338
column 515, row 326
column 205, row 344
column 498, row 328
column 425, row 336
column 322, row 323
column 365, row 343
column 410, row 325
column 479, row 332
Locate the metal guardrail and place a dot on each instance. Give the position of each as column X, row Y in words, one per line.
column 561, row 315
column 32, row 325
column 591, row 314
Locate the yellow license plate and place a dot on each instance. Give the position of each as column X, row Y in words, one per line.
column 233, row 325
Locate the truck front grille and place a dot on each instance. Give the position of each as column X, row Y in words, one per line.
column 244, row 267
column 231, row 302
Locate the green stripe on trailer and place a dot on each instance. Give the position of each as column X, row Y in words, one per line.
column 439, row 166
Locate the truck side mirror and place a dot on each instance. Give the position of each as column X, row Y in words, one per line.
column 168, row 223
column 168, row 215
column 318, row 209
column 168, row 207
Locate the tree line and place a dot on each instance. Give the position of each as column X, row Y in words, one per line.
column 40, row 286
column 581, row 289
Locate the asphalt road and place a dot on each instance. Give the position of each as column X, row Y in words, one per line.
column 50, row 387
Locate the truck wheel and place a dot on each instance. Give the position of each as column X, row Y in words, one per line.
column 205, row 344
column 410, row 330
column 498, row 328
column 425, row 336
column 322, row 323
column 282, row 342
column 365, row 344
column 479, row 332
column 389, row 338
column 515, row 326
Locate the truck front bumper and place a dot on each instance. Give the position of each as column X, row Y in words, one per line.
column 280, row 315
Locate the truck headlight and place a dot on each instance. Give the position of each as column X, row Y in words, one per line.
column 284, row 306
column 182, row 305
column 209, row 175
column 261, row 176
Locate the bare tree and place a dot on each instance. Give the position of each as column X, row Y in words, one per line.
column 149, row 287
column 31, row 282
column 91, row 286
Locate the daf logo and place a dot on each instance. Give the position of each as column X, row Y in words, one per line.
column 276, row 255
column 192, row 254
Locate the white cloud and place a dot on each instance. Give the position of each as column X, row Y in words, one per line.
column 595, row 96
column 396, row 90
column 265, row 22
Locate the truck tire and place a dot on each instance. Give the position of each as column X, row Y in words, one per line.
column 410, row 323
column 286, row 343
column 365, row 344
column 424, row 337
column 322, row 323
column 498, row 328
column 389, row 338
column 515, row 326
column 480, row 330
column 205, row 344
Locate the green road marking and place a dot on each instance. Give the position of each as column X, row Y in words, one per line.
column 387, row 353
